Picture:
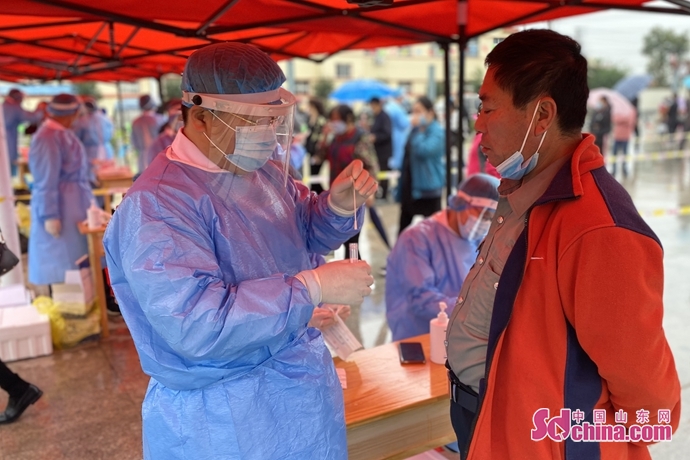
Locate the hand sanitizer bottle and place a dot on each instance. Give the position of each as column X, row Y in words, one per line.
column 93, row 216
column 437, row 336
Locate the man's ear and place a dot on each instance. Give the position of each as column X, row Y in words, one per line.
column 546, row 116
column 197, row 118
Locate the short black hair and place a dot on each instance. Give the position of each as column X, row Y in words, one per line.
column 318, row 105
column 427, row 104
column 344, row 112
column 539, row 62
column 374, row 100
column 185, row 113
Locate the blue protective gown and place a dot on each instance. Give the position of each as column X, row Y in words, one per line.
column 161, row 143
column 400, row 122
column 144, row 132
column 15, row 116
column 427, row 265
column 60, row 190
column 95, row 131
column 203, row 269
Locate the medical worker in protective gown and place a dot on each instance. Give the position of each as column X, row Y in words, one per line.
column 144, row 129
column 95, row 131
column 210, row 258
column 60, row 196
column 431, row 259
column 14, row 116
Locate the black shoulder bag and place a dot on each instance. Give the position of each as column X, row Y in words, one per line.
column 7, row 258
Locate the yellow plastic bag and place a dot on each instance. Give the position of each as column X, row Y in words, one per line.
column 68, row 332
column 46, row 306
column 23, row 213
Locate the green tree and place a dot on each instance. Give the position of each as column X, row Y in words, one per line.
column 322, row 88
column 475, row 81
column 660, row 45
column 171, row 86
column 600, row 75
column 87, row 88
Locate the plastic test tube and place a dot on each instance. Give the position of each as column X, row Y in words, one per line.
column 354, row 202
column 354, row 252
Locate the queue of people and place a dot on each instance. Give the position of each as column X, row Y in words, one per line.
column 216, row 258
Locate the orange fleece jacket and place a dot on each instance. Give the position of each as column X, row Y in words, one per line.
column 577, row 322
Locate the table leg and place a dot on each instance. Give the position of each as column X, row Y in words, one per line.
column 107, row 203
column 97, row 274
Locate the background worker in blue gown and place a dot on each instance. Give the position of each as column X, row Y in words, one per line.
column 60, row 196
column 95, row 131
column 15, row 115
column 211, row 259
column 430, row 260
column 144, row 129
column 167, row 133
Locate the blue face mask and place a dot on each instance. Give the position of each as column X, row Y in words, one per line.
column 254, row 145
column 515, row 167
column 423, row 122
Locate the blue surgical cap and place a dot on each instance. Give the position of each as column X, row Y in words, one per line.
column 146, row 103
column 231, row 68
column 16, row 94
column 476, row 186
column 63, row 105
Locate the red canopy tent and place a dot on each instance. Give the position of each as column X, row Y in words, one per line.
column 129, row 39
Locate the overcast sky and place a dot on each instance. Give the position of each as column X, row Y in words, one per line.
column 616, row 37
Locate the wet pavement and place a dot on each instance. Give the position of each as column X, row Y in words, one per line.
column 93, row 393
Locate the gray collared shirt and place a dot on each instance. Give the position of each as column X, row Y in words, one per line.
column 468, row 330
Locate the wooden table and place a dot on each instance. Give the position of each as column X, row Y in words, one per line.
column 123, row 180
column 114, row 182
column 394, row 411
column 96, row 251
column 106, row 193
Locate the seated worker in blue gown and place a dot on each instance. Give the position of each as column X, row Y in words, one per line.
column 210, row 258
column 430, row 260
column 60, row 196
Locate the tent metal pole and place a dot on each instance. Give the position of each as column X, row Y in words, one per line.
column 89, row 45
column 216, row 15
column 160, row 89
column 449, row 113
column 462, row 44
column 121, row 115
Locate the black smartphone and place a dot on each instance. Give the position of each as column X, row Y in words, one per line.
column 411, row 353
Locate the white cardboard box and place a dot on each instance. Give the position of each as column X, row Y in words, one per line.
column 24, row 333
column 14, row 296
column 76, row 295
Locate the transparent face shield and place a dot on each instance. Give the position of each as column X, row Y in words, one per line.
column 248, row 130
column 479, row 214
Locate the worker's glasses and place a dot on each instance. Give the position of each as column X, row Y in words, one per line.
column 267, row 121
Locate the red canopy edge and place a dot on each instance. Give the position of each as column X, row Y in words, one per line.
column 131, row 39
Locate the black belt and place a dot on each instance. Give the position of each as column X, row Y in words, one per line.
column 462, row 394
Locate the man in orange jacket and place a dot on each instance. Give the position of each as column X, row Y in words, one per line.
column 556, row 337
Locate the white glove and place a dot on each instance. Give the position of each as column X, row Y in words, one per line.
column 341, row 189
column 343, row 311
column 324, row 317
column 53, row 226
column 344, row 282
